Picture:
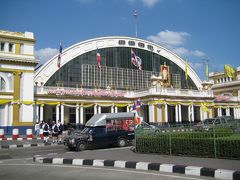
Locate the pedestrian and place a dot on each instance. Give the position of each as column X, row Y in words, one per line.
column 60, row 131
column 45, row 132
column 55, row 132
column 37, row 129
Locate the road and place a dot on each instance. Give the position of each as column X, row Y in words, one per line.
column 18, row 164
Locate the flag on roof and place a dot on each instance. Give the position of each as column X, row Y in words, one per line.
column 207, row 73
column 59, row 56
column 186, row 69
column 136, row 60
column 229, row 71
column 98, row 58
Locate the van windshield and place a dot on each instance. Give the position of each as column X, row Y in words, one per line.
column 87, row 130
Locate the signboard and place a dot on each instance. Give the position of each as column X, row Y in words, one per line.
column 88, row 92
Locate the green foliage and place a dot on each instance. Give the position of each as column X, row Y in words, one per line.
column 200, row 144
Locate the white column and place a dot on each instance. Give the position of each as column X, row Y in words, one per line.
column 201, row 114
column 77, row 114
column 62, row 114
column 227, row 111
column 57, row 113
column 159, row 113
column 112, row 109
column 180, row 112
column 41, row 112
column 99, row 109
column 37, row 113
column 189, row 113
column 128, row 108
column 151, row 113
column 235, row 113
column 81, row 114
column 95, row 109
column 116, row 109
column 166, row 113
column 220, row 111
column 176, row 113
column 192, row 113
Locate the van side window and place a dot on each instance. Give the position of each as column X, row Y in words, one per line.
column 119, row 125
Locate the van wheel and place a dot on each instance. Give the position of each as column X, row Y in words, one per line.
column 122, row 142
column 81, row 146
column 71, row 148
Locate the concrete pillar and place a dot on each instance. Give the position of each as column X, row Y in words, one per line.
column 192, row 113
column 37, row 113
column 189, row 113
column 57, row 113
column 116, row 109
column 128, row 108
column 180, row 112
column 151, row 113
column 112, row 109
column 77, row 114
column 166, row 113
column 81, row 114
column 62, row 114
column 227, row 111
column 41, row 112
column 99, row 110
column 95, row 109
column 176, row 113
column 159, row 113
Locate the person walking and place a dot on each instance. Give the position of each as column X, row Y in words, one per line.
column 60, row 131
column 55, row 132
column 37, row 129
column 45, row 132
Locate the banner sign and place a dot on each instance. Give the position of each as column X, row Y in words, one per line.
column 75, row 92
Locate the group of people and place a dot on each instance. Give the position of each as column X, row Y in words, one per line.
column 54, row 129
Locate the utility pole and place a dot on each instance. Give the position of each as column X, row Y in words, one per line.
column 135, row 14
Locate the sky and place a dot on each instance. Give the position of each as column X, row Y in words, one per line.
column 196, row 30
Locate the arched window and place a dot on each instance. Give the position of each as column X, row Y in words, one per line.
column 2, row 84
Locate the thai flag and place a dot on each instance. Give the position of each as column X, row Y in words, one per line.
column 98, row 58
column 134, row 107
column 138, row 104
column 134, row 58
column 59, row 56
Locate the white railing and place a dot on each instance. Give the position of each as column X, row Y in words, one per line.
column 127, row 94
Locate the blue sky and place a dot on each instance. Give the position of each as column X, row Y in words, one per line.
column 194, row 29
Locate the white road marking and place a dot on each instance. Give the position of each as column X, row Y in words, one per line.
column 107, row 169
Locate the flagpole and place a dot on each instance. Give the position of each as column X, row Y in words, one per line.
column 135, row 14
column 206, row 62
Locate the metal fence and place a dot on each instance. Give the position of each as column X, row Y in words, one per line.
column 218, row 141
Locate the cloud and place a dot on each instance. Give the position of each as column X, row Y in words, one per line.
column 169, row 38
column 45, row 54
column 147, row 3
column 150, row 3
column 196, row 65
column 174, row 41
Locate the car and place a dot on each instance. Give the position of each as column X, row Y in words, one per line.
column 103, row 130
column 147, row 128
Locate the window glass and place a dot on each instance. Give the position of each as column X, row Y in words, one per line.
column 2, row 84
column 131, row 43
column 121, row 42
column 10, row 47
column 2, row 46
column 142, row 45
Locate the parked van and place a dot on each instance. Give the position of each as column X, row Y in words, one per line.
column 103, row 130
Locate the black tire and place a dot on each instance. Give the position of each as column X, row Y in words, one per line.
column 81, row 146
column 122, row 142
column 71, row 148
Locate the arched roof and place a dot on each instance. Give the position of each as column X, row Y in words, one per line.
column 50, row 67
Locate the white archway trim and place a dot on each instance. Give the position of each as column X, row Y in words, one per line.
column 50, row 67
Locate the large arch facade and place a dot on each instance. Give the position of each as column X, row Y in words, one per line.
column 47, row 71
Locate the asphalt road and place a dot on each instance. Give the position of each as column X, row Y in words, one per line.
column 29, row 171
column 18, row 163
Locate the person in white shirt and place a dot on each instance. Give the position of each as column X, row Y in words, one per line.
column 37, row 129
column 45, row 127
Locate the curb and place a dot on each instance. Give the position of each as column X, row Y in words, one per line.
column 25, row 145
column 160, row 167
column 19, row 139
